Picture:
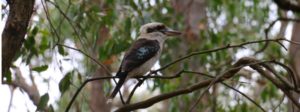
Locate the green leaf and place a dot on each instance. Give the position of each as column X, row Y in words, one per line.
column 30, row 42
column 133, row 5
column 40, row 68
column 43, row 102
column 8, row 76
column 61, row 50
column 64, row 83
column 51, row 109
column 44, row 45
column 34, row 31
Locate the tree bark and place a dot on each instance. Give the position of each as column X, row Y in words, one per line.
column 98, row 100
column 294, row 53
column 15, row 29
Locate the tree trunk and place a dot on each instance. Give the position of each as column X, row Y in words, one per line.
column 20, row 12
column 294, row 53
column 195, row 18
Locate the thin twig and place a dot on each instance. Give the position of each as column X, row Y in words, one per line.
column 82, row 85
column 282, row 79
column 69, row 21
column 267, row 30
column 290, row 73
column 243, row 94
column 287, row 5
column 199, row 85
column 222, row 48
column 149, row 76
column 280, row 102
column 217, row 79
column 140, row 82
column 45, row 7
column 99, row 63
column 12, row 89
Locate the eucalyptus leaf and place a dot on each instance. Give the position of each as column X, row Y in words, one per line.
column 40, row 68
column 43, row 102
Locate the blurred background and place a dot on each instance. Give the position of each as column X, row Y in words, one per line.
column 46, row 74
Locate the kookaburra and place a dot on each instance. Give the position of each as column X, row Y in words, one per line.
column 143, row 53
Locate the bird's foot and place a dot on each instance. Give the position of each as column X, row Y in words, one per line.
column 139, row 79
column 153, row 72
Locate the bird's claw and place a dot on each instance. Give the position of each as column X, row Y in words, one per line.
column 153, row 72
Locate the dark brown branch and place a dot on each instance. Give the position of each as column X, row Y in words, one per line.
column 286, row 5
column 279, row 85
column 281, row 101
column 267, row 30
column 149, row 76
column 290, row 73
column 282, row 79
column 253, row 63
column 205, row 83
column 140, row 82
column 20, row 12
column 153, row 100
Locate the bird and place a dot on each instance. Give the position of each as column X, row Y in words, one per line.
column 143, row 53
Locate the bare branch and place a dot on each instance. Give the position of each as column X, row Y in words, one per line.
column 82, row 85
column 12, row 89
column 286, row 5
column 254, row 62
column 82, row 52
column 267, row 30
column 223, row 48
column 69, row 21
column 149, row 76
column 243, row 94
column 199, row 85
column 31, row 90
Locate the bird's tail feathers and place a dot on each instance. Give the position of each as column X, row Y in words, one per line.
column 122, row 77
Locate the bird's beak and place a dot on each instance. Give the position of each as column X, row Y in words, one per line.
column 170, row 32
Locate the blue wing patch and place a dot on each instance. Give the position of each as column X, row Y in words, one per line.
column 140, row 52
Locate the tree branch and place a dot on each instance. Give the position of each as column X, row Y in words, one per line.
column 223, row 48
column 286, row 5
column 253, row 63
column 93, row 59
column 82, row 85
column 31, row 90
column 243, row 94
column 143, row 104
column 153, row 100
column 267, row 30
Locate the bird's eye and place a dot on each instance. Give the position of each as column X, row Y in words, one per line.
column 160, row 27
column 149, row 30
column 157, row 28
